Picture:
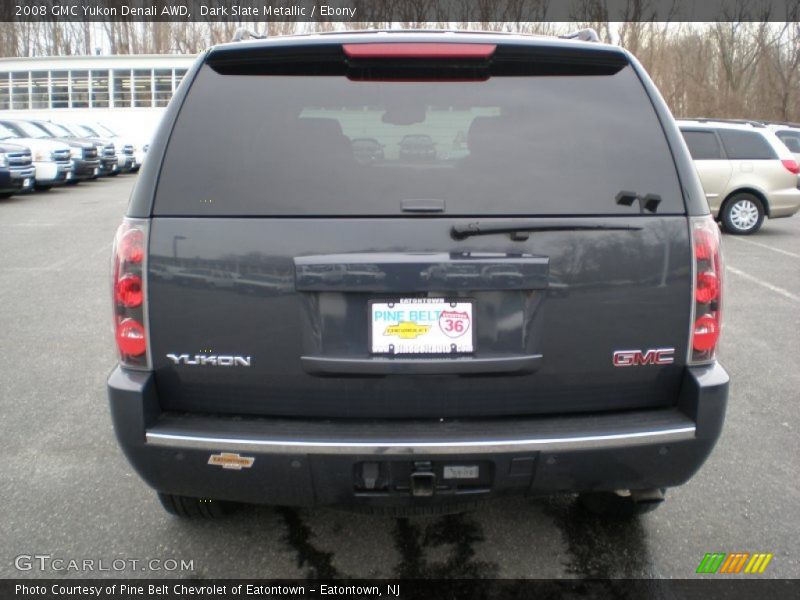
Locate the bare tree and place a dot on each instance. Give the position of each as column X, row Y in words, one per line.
column 746, row 67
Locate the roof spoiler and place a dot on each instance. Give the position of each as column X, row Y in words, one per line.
column 584, row 35
column 751, row 122
column 784, row 124
column 241, row 33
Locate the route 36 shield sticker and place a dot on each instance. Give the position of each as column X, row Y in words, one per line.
column 454, row 324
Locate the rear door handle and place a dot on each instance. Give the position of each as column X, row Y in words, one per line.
column 420, row 272
column 516, row 364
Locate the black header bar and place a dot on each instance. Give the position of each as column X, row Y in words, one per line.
column 397, row 11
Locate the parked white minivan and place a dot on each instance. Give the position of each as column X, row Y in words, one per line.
column 746, row 171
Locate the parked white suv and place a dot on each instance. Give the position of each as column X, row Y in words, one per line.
column 139, row 147
column 51, row 159
column 126, row 159
column 746, row 171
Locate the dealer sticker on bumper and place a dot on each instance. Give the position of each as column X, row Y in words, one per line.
column 231, row 460
column 421, row 326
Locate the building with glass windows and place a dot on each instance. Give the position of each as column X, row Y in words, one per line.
column 127, row 93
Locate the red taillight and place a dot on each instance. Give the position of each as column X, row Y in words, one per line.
column 129, row 290
column 707, row 289
column 705, row 334
column 791, row 166
column 419, row 50
column 129, row 298
column 130, row 338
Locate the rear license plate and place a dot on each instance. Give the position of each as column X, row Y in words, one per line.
column 461, row 472
column 422, row 326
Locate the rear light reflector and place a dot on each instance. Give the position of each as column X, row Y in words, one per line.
column 791, row 166
column 705, row 334
column 130, row 338
column 129, row 296
column 419, row 50
column 707, row 290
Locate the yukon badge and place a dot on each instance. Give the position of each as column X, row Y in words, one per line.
column 635, row 358
column 211, row 360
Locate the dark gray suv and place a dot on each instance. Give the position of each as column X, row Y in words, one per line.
column 536, row 313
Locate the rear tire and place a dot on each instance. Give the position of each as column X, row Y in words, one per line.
column 609, row 504
column 193, row 508
column 743, row 214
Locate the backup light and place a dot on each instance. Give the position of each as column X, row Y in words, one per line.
column 131, row 246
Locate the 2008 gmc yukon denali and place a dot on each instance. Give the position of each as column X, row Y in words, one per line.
column 532, row 307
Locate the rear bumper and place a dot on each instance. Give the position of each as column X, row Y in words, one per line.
column 784, row 203
column 319, row 462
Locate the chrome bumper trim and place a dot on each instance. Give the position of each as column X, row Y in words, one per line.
column 543, row 444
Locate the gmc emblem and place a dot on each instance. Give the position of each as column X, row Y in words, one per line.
column 634, row 358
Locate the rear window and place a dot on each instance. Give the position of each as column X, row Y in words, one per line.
column 703, row 145
column 322, row 145
column 791, row 139
column 746, row 145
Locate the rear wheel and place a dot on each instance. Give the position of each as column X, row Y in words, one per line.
column 614, row 505
column 743, row 214
column 188, row 507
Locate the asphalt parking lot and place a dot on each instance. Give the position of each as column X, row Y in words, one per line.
column 68, row 492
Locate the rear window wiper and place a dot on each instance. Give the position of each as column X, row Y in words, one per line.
column 520, row 229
